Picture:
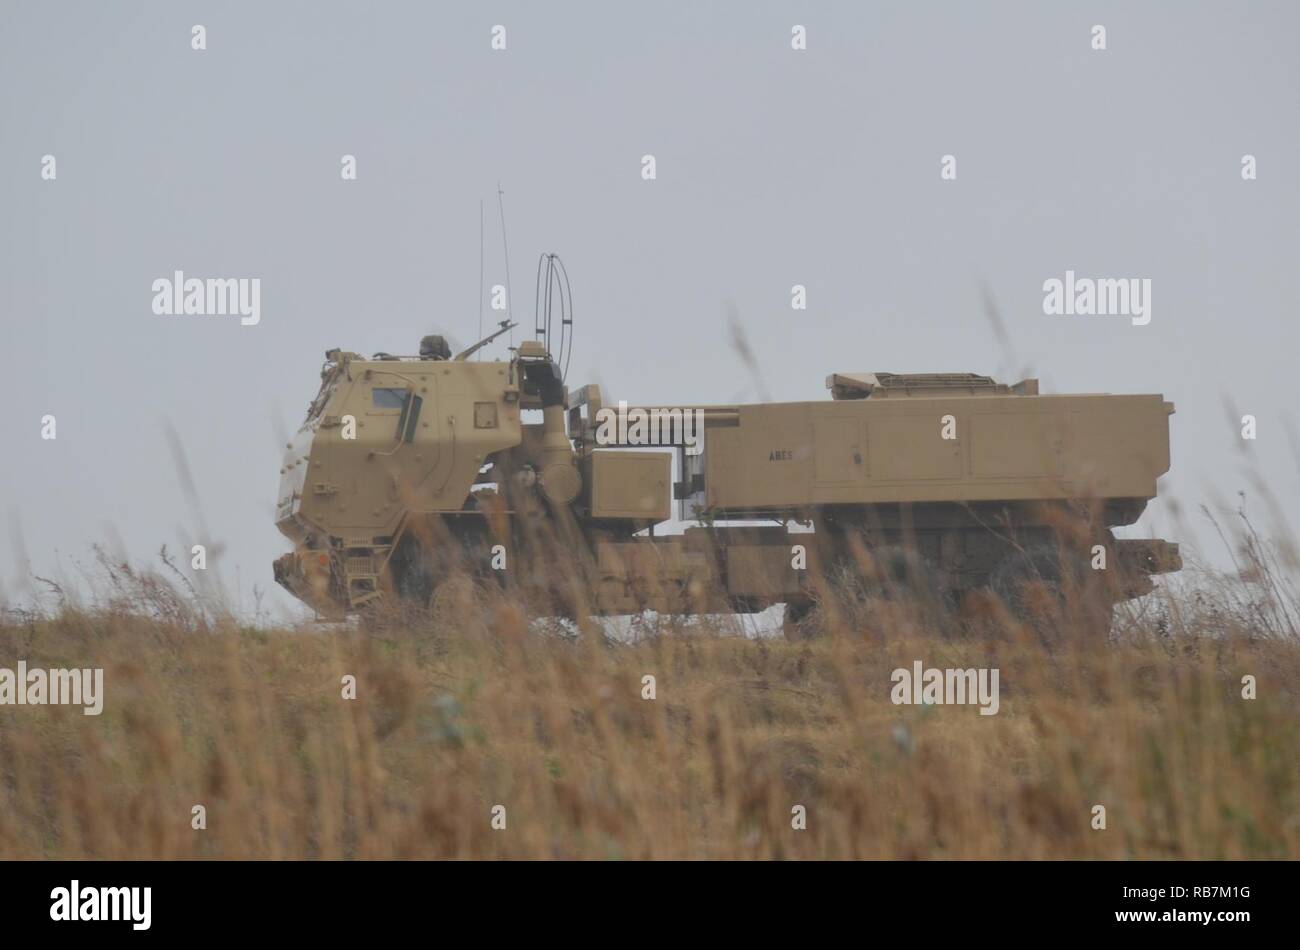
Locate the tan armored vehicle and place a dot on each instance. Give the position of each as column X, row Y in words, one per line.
column 412, row 469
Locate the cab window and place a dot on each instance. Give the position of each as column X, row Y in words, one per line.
column 388, row 398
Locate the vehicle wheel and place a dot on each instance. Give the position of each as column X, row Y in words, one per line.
column 422, row 566
column 1056, row 595
column 893, row 575
column 897, row 574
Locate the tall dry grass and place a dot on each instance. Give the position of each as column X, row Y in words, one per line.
column 469, row 707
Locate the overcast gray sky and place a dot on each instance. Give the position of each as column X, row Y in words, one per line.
column 775, row 167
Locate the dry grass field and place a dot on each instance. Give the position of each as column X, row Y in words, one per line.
column 469, row 707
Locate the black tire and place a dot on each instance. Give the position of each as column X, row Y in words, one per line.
column 894, row 575
column 856, row 586
column 899, row 574
column 1054, row 593
column 420, row 568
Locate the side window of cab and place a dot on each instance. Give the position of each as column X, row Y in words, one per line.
column 406, row 402
column 384, row 398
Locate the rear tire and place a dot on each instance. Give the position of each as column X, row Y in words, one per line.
column 1055, row 593
column 892, row 574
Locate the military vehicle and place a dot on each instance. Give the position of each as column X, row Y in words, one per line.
column 409, row 470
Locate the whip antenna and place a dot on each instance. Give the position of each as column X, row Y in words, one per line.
column 510, row 301
column 480, row 270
